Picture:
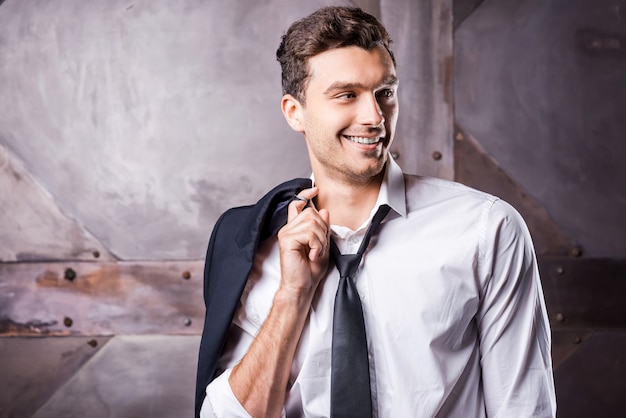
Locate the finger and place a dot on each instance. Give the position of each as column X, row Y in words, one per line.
column 307, row 228
column 318, row 246
column 308, row 231
column 297, row 205
column 323, row 237
column 325, row 215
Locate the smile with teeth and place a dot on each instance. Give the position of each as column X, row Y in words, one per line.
column 364, row 140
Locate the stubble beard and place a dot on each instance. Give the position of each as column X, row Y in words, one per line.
column 352, row 174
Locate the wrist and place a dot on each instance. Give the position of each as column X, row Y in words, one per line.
column 298, row 298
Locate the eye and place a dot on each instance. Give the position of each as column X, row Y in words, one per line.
column 346, row 96
column 386, row 93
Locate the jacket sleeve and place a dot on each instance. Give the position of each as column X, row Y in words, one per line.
column 225, row 273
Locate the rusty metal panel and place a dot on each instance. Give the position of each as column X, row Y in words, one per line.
column 132, row 376
column 591, row 382
column 33, row 369
column 565, row 342
column 584, row 293
column 83, row 298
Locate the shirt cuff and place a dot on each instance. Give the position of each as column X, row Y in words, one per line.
column 220, row 401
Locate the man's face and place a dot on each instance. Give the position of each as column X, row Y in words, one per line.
column 350, row 114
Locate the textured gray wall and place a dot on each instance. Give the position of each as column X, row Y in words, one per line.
column 550, row 107
column 126, row 128
column 145, row 120
column 142, row 121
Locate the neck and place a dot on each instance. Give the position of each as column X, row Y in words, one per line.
column 349, row 204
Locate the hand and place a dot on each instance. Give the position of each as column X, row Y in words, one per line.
column 304, row 245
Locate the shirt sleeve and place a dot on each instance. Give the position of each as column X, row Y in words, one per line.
column 512, row 321
column 220, row 401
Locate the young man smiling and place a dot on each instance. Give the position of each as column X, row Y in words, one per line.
column 348, row 117
column 452, row 304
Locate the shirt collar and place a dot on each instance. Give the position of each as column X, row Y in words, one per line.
column 392, row 189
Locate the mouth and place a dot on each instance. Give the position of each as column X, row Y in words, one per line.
column 364, row 140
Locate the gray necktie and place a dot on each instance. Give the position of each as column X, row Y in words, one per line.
column 350, row 377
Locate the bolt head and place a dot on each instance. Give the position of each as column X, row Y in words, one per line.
column 69, row 274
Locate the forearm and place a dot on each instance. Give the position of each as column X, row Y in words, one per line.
column 260, row 380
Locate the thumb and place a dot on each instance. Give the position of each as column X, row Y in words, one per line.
column 325, row 215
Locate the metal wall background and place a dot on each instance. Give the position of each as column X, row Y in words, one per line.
column 146, row 120
column 540, row 84
column 540, row 106
column 126, row 128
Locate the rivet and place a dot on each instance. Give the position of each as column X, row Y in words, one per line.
column 69, row 274
column 187, row 322
column 576, row 252
column 459, row 136
column 96, row 254
column 186, row 275
column 577, row 340
column 437, row 156
column 395, row 155
column 67, row 321
column 560, row 270
column 560, row 317
column 92, row 343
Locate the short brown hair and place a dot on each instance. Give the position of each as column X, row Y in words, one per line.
column 328, row 28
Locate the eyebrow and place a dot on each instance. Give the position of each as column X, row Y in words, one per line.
column 341, row 85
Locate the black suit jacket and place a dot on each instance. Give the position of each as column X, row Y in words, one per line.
column 229, row 260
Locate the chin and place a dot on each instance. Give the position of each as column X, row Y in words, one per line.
column 370, row 172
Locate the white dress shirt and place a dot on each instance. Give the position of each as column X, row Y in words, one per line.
column 453, row 307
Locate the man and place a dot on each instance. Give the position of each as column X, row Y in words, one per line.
column 452, row 304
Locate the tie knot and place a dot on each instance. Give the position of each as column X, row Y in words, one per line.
column 347, row 264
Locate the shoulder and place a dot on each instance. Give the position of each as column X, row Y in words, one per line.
column 456, row 202
column 425, row 192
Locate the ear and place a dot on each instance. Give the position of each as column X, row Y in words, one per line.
column 292, row 110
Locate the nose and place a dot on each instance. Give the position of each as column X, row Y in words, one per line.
column 369, row 111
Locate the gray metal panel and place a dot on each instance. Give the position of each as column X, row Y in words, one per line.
column 591, row 382
column 423, row 45
column 549, row 109
column 584, row 293
column 475, row 168
column 33, row 369
column 148, row 376
column 146, row 120
column 33, row 226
